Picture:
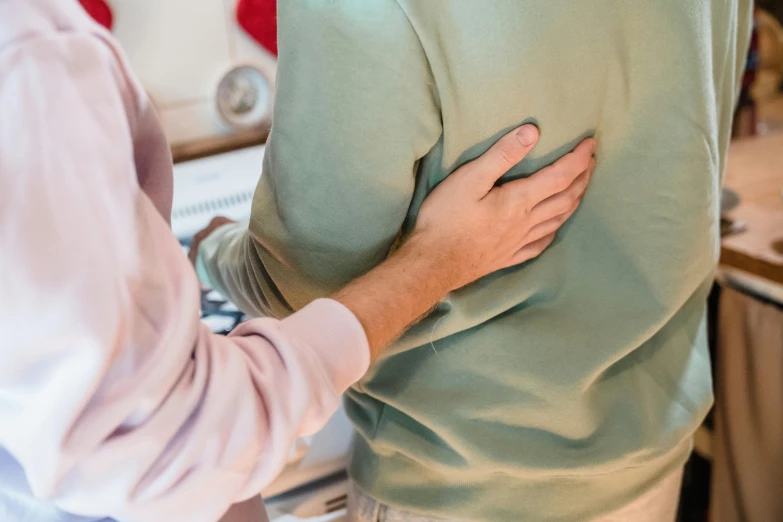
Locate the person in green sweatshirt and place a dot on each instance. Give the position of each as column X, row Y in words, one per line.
column 594, row 371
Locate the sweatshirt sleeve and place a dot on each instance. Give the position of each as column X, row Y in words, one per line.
column 114, row 398
column 355, row 110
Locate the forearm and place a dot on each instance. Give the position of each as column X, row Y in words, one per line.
column 393, row 296
column 114, row 399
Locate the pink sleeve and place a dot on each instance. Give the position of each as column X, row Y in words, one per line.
column 114, row 398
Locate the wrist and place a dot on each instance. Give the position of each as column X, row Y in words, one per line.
column 432, row 262
column 393, row 296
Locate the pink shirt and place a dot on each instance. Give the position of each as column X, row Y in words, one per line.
column 114, row 399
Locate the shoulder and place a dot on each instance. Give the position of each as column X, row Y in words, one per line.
column 47, row 33
column 48, row 40
column 23, row 20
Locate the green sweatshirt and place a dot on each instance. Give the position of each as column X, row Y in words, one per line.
column 557, row 390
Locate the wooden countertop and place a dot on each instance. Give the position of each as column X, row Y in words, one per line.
column 755, row 172
column 218, row 145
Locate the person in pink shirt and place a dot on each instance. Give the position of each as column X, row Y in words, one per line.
column 115, row 401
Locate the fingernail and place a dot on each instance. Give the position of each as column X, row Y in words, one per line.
column 527, row 134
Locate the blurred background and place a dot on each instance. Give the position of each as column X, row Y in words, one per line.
column 209, row 67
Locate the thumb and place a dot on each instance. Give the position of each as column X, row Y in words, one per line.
column 507, row 152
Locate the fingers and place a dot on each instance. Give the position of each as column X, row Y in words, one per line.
column 507, row 152
column 531, row 250
column 552, row 225
column 193, row 252
column 559, row 176
column 564, row 201
column 550, row 214
column 216, row 223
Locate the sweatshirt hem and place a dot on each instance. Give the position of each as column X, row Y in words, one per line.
column 398, row 481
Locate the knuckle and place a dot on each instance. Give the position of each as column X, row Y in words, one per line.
column 573, row 197
column 510, row 211
column 571, row 160
column 515, row 200
column 507, row 155
column 561, row 180
column 583, row 181
column 525, row 204
column 528, row 209
column 562, row 206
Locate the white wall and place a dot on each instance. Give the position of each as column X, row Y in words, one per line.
column 181, row 49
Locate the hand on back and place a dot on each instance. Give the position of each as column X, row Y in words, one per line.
column 478, row 227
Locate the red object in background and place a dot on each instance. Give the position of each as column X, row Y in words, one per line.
column 259, row 19
column 100, row 11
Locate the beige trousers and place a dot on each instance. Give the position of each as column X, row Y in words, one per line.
column 658, row 505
